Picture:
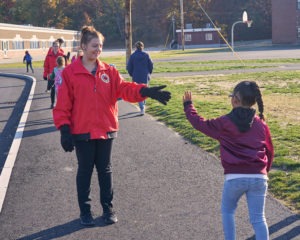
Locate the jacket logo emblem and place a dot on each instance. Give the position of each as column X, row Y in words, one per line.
column 105, row 78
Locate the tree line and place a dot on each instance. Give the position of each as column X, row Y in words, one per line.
column 151, row 19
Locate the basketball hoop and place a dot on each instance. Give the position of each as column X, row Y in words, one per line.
column 245, row 16
column 249, row 23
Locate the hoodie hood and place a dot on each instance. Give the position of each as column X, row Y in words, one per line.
column 242, row 118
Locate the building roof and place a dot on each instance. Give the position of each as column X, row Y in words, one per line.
column 6, row 26
column 200, row 30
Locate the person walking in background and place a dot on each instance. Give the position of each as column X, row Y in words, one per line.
column 66, row 56
column 86, row 113
column 140, row 67
column 60, row 42
column 28, row 60
column 246, row 152
column 78, row 55
column 56, row 77
column 49, row 64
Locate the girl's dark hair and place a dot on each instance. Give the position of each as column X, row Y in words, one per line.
column 249, row 94
column 88, row 33
column 60, row 61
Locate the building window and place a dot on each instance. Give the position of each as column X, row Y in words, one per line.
column 298, row 4
column 187, row 37
column 51, row 40
column 5, row 45
column 34, row 43
column 44, row 44
column 208, row 37
column 17, row 42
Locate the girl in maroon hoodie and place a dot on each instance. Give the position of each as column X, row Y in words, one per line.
column 246, row 152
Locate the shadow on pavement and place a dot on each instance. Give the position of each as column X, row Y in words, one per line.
column 13, row 86
column 39, row 131
column 61, row 230
column 41, row 109
column 9, row 130
column 129, row 115
column 291, row 234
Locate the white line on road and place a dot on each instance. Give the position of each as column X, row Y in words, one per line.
column 12, row 155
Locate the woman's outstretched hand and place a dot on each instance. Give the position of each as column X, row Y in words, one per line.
column 156, row 93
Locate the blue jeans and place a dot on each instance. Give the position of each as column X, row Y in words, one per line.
column 142, row 105
column 255, row 190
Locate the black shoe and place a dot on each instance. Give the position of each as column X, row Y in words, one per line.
column 87, row 220
column 109, row 217
column 52, row 106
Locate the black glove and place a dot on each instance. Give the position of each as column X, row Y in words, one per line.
column 66, row 139
column 156, row 93
column 45, row 78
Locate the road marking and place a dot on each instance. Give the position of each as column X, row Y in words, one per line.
column 13, row 152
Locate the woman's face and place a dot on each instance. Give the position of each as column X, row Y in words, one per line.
column 93, row 49
column 55, row 48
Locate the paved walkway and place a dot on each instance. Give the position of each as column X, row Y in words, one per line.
column 165, row 187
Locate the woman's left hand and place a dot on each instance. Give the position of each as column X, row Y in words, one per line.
column 187, row 96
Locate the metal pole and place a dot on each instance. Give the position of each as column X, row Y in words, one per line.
column 128, row 29
column 182, row 24
column 173, row 26
column 232, row 31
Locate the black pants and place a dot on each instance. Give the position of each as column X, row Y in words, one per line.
column 29, row 64
column 51, row 87
column 52, row 94
column 89, row 154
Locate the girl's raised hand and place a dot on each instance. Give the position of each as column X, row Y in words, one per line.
column 187, row 96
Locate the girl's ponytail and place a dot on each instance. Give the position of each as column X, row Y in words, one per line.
column 259, row 101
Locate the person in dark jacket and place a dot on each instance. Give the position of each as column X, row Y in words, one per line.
column 28, row 60
column 86, row 114
column 246, row 152
column 139, row 67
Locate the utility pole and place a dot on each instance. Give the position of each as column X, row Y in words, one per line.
column 173, row 28
column 182, row 24
column 128, row 29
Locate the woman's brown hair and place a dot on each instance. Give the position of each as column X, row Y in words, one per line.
column 88, row 33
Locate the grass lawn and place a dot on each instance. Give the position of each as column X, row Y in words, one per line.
column 281, row 91
column 281, row 95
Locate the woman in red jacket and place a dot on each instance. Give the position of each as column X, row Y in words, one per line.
column 86, row 114
column 49, row 64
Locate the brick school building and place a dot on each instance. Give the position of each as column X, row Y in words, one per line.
column 16, row 39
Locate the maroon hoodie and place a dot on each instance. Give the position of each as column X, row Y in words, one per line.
column 245, row 140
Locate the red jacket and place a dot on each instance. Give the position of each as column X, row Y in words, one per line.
column 88, row 104
column 50, row 62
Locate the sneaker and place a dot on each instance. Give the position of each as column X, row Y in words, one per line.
column 87, row 220
column 47, row 91
column 142, row 112
column 110, row 217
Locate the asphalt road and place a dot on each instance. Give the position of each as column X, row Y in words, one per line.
column 165, row 187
